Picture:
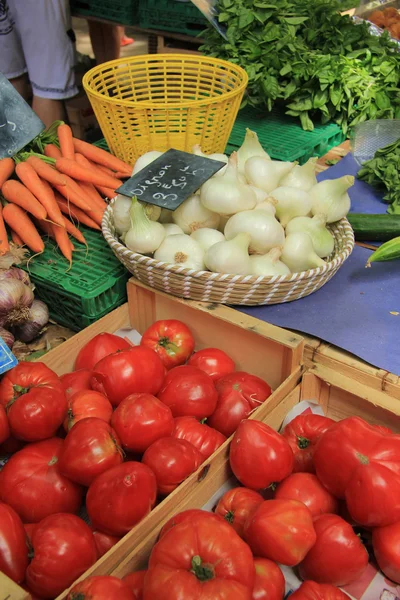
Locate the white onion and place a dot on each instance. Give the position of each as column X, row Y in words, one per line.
column 181, row 250
column 264, row 230
column 207, row 237
column 192, row 215
column 144, row 161
column 230, row 256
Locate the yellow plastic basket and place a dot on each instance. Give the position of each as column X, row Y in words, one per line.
column 162, row 101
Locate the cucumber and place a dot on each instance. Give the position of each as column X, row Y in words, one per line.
column 388, row 251
column 374, row 228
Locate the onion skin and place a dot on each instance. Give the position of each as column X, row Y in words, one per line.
column 7, row 337
column 16, row 273
column 38, row 318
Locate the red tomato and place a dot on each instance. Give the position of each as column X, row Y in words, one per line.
column 135, row 581
column 338, row 556
column 185, row 516
column 259, row 456
column 237, row 505
column 281, row 530
column 90, row 448
column 128, row 491
column 13, row 544
column 386, row 543
column 171, row 339
column 239, row 394
column 4, row 426
column 97, row 348
column 32, row 484
column 188, row 391
column 303, row 434
column 270, row 582
column 140, row 420
column 101, row 588
column 306, row 488
column 204, row 438
column 29, row 527
column 35, row 401
column 369, row 473
column 75, row 382
column 87, row 403
column 309, row 590
column 200, row 559
column 172, row 461
column 64, row 548
column 104, row 542
column 216, row 363
column 135, row 371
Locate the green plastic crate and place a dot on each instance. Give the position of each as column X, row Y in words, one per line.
column 170, row 15
column 124, row 12
column 95, row 285
column 282, row 136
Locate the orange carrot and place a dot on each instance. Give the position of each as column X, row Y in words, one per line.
column 45, row 171
column 106, row 192
column 6, row 169
column 74, row 231
column 101, row 157
column 75, row 213
column 52, row 151
column 104, row 169
column 65, row 138
column 93, row 194
column 73, row 193
column 82, row 160
column 16, row 239
column 15, row 192
column 63, row 241
column 75, row 170
column 41, row 191
column 45, row 226
column 4, row 245
column 19, row 222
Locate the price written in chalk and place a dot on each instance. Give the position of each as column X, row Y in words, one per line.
column 170, row 179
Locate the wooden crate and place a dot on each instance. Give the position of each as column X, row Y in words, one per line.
column 262, row 349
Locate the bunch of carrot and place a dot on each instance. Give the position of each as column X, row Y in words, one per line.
column 53, row 192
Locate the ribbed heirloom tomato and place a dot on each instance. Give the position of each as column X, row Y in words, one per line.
column 77, row 381
column 270, row 582
column 216, row 363
column 101, row 588
column 4, row 426
column 13, row 544
column 185, row 515
column 32, row 484
column 200, row 559
column 104, row 541
column 369, row 473
column 188, row 391
column 204, row 438
column 259, row 456
column 281, row 530
column 63, row 548
column 90, row 448
column 87, row 403
column 338, row 556
column 35, row 401
column 306, row 488
column 97, row 348
column 239, row 394
column 303, row 434
column 137, row 370
column 237, row 505
column 386, row 543
column 171, row 339
column 309, row 590
column 135, row 582
column 140, row 420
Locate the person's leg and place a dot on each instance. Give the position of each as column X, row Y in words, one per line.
column 105, row 39
column 48, row 110
column 21, row 85
column 12, row 61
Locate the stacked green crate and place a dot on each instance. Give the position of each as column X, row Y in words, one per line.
column 170, row 15
column 124, row 12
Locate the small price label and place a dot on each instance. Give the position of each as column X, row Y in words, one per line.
column 7, row 358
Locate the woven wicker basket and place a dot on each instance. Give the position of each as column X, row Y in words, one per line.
column 230, row 289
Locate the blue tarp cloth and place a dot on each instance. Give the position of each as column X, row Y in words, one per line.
column 354, row 309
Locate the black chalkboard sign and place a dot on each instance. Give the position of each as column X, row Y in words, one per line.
column 171, row 178
column 18, row 123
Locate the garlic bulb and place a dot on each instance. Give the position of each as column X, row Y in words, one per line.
column 302, row 176
column 330, row 198
column 144, row 161
column 192, row 215
column 38, row 318
column 226, row 195
column 230, row 256
column 171, row 229
column 216, row 156
column 144, row 235
column 207, row 237
column 181, row 250
column 298, row 253
column 292, row 202
column 264, row 230
column 322, row 239
column 266, row 174
column 269, row 264
column 121, row 213
column 250, row 147
column 269, row 205
column 165, row 216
